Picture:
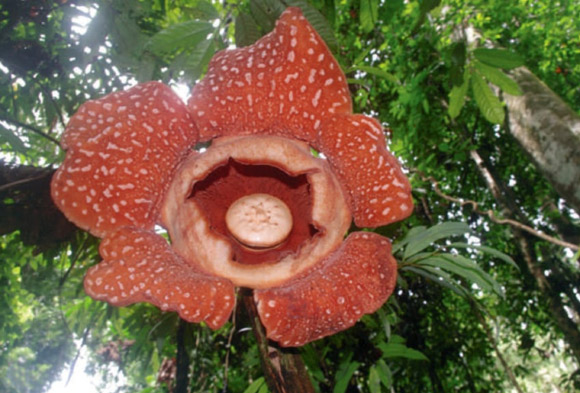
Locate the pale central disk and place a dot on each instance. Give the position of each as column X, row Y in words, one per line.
column 259, row 220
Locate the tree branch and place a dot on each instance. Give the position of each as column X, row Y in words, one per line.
column 493, row 343
column 34, row 129
column 492, row 216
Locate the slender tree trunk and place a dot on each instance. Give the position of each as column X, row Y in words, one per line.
column 488, row 333
column 549, row 131
column 525, row 244
column 182, row 373
column 284, row 369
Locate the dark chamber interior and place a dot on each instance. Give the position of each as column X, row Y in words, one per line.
column 233, row 180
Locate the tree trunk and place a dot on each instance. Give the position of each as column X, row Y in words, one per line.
column 549, row 131
column 182, row 373
column 284, row 369
column 488, row 333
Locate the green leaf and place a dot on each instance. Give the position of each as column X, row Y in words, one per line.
column 413, row 232
column 14, row 141
column 498, row 58
column 317, row 21
column 199, row 58
column 440, row 231
column 488, row 103
column 263, row 388
column 180, row 36
column 256, row 385
column 427, row 5
column 344, row 375
column 266, row 12
column 374, row 381
column 488, row 250
column 457, row 69
column 246, row 30
column 457, row 96
column 438, row 276
column 329, row 11
column 368, row 14
column 361, row 57
column 465, row 268
column 385, row 373
column 394, row 350
column 203, row 10
column 377, row 72
column 498, row 78
column 385, row 322
column 128, row 36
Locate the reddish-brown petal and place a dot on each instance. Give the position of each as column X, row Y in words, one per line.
column 286, row 83
column 121, row 151
column 356, row 280
column 140, row 265
column 356, row 149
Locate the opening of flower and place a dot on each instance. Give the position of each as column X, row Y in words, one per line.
column 259, row 221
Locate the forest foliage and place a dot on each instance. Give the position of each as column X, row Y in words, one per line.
column 481, row 304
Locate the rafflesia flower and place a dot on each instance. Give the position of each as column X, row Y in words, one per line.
column 255, row 209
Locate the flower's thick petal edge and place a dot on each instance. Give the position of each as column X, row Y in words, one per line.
column 140, row 266
column 355, row 280
column 121, row 152
column 289, row 84
column 356, row 149
column 286, row 83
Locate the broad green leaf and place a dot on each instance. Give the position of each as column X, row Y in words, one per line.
column 413, row 232
column 457, row 69
column 385, row 373
column 266, row 12
column 146, row 68
column 256, row 385
column 440, row 231
column 199, row 58
column 329, row 11
column 464, row 268
column 180, row 36
column 498, row 78
column 312, row 360
column 344, row 375
column 385, row 322
column 488, row 250
column 438, row 276
column 128, row 36
column 377, row 72
column 457, row 96
column 317, row 21
column 203, row 10
column 263, row 388
column 498, row 58
column 374, row 381
column 488, row 103
column 368, row 14
column 419, row 256
column 393, row 350
column 246, row 30
column 14, row 141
